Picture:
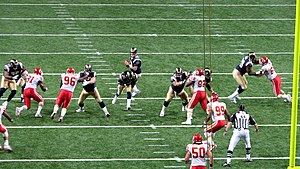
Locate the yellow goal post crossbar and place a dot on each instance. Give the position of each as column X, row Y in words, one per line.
column 294, row 111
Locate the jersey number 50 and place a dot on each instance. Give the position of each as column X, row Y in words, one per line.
column 198, row 152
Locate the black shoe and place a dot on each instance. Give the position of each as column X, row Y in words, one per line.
column 21, row 100
column 249, row 160
column 226, row 164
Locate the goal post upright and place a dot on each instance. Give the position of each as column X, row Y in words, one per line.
column 294, row 111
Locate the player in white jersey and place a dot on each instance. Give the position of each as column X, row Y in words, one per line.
column 68, row 84
column 241, row 121
column 3, row 129
column 32, row 82
column 215, row 111
column 197, row 152
column 197, row 79
column 268, row 70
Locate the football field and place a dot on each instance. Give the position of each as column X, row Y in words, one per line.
column 57, row 34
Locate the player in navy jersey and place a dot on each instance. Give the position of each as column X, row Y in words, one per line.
column 178, row 80
column 239, row 72
column 135, row 65
column 12, row 72
column 90, row 88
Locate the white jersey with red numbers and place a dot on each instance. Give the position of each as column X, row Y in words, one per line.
column 198, row 152
column 69, row 81
column 218, row 109
column 199, row 82
column 269, row 71
column 32, row 81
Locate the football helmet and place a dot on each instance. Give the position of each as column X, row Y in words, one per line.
column 252, row 56
column 197, row 138
column 88, row 67
column 133, row 52
column 241, row 107
column 178, row 71
column 264, row 60
column 13, row 63
column 214, row 97
column 38, row 71
column 70, row 70
column 199, row 72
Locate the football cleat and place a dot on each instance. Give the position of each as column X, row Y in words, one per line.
column 136, row 93
column 60, row 119
column 21, row 100
column 183, row 108
column 53, row 115
column 7, row 148
column 187, row 122
column 226, row 164
column 232, row 99
column 107, row 114
column 38, row 115
column 238, row 97
column 18, row 111
column 80, row 110
column 249, row 160
column 128, row 108
column 162, row 114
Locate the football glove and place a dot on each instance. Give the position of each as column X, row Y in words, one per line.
column 15, row 77
column 84, row 83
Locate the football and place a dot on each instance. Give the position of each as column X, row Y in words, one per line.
column 126, row 63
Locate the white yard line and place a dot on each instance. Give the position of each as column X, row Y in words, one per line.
column 153, row 5
column 134, row 159
column 145, row 53
column 146, row 35
column 126, row 127
column 152, row 19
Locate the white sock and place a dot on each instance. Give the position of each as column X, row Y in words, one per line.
column 228, row 160
column 63, row 112
column 105, row 110
column 248, row 156
column 135, row 89
column 55, row 109
column 128, row 102
column 40, row 107
column 6, row 143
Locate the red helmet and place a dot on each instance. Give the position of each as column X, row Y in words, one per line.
column 38, row 71
column 197, row 138
column 70, row 70
column 214, row 97
column 264, row 60
column 199, row 72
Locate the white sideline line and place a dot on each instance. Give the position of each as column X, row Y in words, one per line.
column 135, row 159
column 67, row 18
column 148, row 35
column 148, row 126
column 157, row 53
column 154, row 5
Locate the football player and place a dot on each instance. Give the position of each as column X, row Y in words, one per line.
column 239, row 72
column 215, row 111
column 178, row 81
column 90, row 89
column 32, row 82
column 197, row 152
column 3, row 129
column 197, row 80
column 68, row 83
column 135, row 65
column 126, row 80
column 12, row 72
column 268, row 70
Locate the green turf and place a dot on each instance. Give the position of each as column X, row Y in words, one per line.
column 58, row 50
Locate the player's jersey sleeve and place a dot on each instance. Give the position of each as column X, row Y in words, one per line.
column 252, row 121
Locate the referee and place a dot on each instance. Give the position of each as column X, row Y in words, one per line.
column 241, row 121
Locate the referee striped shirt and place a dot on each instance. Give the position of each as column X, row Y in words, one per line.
column 241, row 120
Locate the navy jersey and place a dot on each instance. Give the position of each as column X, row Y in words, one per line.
column 89, row 87
column 17, row 70
column 246, row 62
column 241, row 120
column 182, row 78
column 136, row 62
